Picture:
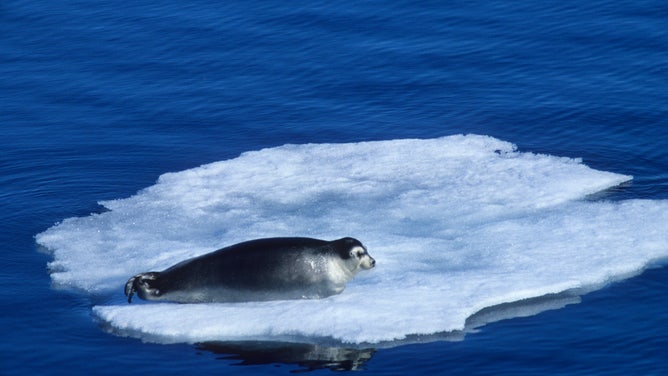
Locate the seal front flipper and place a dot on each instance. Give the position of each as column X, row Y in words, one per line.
column 141, row 284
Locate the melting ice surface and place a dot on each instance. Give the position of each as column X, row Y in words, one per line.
column 456, row 224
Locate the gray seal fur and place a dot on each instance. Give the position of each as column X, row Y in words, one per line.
column 257, row 270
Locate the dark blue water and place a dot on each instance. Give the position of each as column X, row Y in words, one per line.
column 97, row 99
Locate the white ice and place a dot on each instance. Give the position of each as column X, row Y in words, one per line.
column 456, row 224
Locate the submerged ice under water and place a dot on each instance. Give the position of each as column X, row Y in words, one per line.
column 456, row 224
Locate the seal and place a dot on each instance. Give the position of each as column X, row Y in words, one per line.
column 257, row 270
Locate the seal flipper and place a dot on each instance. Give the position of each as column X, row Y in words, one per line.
column 141, row 284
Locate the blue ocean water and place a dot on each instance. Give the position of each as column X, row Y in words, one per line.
column 98, row 99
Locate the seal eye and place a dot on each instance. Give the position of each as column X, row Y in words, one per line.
column 358, row 252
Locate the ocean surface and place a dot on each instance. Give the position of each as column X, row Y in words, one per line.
column 505, row 163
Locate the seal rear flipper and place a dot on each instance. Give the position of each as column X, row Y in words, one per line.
column 141, row 284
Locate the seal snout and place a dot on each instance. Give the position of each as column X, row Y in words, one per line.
column 368, row 263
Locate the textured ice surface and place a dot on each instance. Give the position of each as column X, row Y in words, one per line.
column 456, row 224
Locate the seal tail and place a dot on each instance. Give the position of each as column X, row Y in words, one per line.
column 141, row 284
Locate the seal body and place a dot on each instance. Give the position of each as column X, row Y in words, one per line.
column 257, row 270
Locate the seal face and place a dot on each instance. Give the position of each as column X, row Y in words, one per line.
column 257, row 270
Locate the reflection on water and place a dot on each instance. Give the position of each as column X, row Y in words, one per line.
column 309, row 356
column 347, row 358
